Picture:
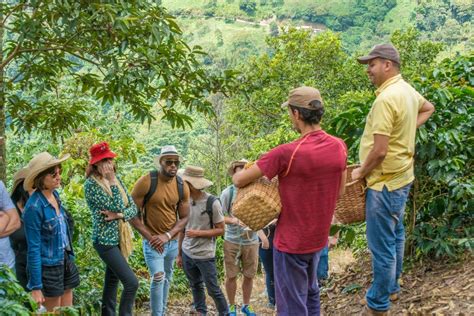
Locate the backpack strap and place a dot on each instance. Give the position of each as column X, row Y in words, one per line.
column 180, row 184
column 151, row 191
column 209, row 203
column 231, row 196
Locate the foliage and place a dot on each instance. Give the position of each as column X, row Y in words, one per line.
column 294, row 58
column 13, row 298
column 248, row 6
column 443, row 200
column 120, row 53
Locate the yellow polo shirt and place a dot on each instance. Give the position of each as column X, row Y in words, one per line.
column 393, row 114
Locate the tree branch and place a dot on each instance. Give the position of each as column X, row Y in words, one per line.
column 10, row 57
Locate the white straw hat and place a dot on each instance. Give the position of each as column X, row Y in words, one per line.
column 38, row 164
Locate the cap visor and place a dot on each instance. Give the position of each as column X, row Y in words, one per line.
column 284, row 105
column 365, row 59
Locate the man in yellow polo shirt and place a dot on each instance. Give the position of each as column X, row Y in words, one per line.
column 386, row 153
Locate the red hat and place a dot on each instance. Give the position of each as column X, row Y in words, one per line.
column 100, row 151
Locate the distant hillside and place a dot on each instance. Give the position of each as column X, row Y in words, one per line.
column 233, row 30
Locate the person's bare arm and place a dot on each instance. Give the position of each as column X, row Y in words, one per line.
column 12, row 223
column 342, row 188
column 246, row 176
column 427, row 109
column 179, row 258
column 264, row 239
column 375, row 157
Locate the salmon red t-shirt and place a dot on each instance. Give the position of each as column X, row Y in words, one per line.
column 308, row 192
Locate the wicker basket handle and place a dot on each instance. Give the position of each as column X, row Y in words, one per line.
column 293, row 154
column 355, row 182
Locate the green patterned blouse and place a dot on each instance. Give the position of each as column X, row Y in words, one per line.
column 103, row 232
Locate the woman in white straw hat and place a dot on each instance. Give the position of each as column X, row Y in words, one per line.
column 52, row 273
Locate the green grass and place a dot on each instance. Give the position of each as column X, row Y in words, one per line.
column 236, row 37
column 399, row 17
column 224, row 8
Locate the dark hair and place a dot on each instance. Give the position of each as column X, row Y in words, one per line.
column 310, row 116
column 20, row 195
column 38, row 183
column 92, row 170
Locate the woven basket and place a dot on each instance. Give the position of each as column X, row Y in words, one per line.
column 351, row 207
column 258, row 203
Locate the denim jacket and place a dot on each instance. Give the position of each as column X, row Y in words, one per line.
column 43, row 236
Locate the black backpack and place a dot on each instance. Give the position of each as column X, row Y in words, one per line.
column 151, row 191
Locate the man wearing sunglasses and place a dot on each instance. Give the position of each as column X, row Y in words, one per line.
column 164, row 202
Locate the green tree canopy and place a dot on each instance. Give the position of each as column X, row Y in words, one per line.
column 117, row 52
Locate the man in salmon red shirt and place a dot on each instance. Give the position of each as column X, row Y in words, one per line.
column 311, row 173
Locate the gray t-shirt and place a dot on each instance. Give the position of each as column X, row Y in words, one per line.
column 235, row 233
column 200, row 247
column 7, row 256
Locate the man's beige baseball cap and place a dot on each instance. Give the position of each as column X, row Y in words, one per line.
column 302, row 97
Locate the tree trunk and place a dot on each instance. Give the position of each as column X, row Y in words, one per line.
column 3, row 161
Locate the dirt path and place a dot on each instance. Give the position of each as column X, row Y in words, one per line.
column 431, row 288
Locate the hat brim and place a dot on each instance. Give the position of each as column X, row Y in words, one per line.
column 34, row 172
column 285, row 104
column 366, row 59
column 107, row 155
column 19, row 177
column 197, row 183
column 158, row 158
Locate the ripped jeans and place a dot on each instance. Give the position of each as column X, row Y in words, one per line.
column 160, row 266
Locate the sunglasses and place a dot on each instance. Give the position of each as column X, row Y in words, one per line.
column 55, row 173
column 171, row 162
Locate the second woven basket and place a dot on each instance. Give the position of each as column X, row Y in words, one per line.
column 350, row 207
column 258, row 203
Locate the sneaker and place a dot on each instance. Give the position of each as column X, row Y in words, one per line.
column 232, row 310
column 271, row 306
column 248, row 310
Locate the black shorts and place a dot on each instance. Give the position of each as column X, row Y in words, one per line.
column 57, row 279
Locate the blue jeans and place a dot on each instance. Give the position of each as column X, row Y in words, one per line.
column 296, row 285
column 200, row 272
column 266, row 257
column 323, row 266
column 160, row 267
column 386, row 239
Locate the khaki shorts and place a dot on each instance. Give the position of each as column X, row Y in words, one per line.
column 239, row 258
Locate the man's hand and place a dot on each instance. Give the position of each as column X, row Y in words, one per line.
column 237, row 221
column 193, row 233
column 356, row 174
column 332, row 242
column 111, row 216
column 179, row 261
column 158, row 242
column 37, row 296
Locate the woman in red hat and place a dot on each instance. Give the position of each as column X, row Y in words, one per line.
column 111, row 207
